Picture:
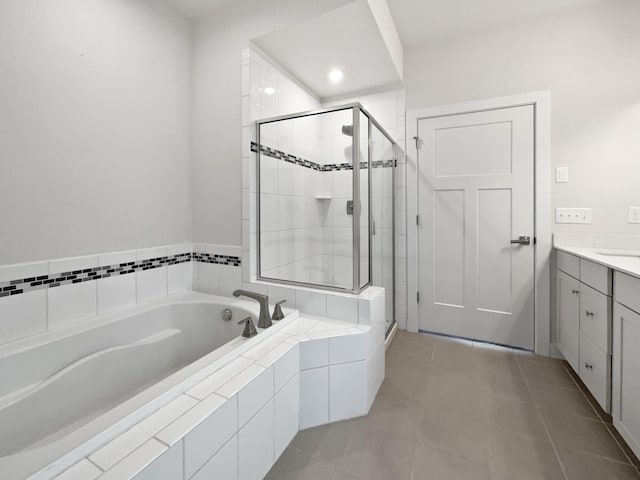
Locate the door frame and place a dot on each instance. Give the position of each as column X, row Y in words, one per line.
column 541, row 102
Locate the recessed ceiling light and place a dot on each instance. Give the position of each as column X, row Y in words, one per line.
column 335, row 75
column 269, row 90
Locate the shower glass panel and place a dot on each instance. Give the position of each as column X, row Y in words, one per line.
column 382, row 218
column 315, row 212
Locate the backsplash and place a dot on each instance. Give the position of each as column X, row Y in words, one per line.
column 40, row 296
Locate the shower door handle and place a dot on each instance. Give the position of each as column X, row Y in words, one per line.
column 349, row 207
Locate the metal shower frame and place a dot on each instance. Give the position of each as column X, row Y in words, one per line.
column 357, row 109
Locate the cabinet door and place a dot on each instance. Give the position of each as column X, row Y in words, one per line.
column 626, row 379
column 569, row 318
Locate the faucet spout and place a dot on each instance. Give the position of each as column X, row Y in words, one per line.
column 264, row 320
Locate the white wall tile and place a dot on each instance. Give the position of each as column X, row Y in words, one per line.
column 155, row 252
column 71, row 303
column 254, row 387
column 255, row 445
column 314, row 353
column 223, row 465
column 136, row 461
column 230, row 279
column 375, row 372
column 168, row 466
column 277, row 294
column 342, row 308
column 286, row 367
column 151, row 284
column 179, row 277
column 120, row 447
column 208, row 437
column 348, row 348
column 23, row 270
column 311, row 303
column 73, row 263
column 314, row 397
column 116, row 292
column 83, row 470
column 208, row 278
column 117, row 258
column 23, row 315
column 347, row 390
column 287, row 414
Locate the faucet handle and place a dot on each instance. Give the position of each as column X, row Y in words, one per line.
column 249, row 328
column 277, row 311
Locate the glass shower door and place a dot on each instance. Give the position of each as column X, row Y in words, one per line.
column 382, row 220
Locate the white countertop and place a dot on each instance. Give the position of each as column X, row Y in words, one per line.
column 625, row 261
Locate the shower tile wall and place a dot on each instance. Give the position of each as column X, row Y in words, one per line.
column 389, row 109
column 328, row 255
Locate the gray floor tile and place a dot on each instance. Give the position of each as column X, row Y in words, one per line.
column 553, row 373
column 519, row 456
column 435, row 464
column 581, row 434
column 567, row 400
column 447, row 410
column 584, row 466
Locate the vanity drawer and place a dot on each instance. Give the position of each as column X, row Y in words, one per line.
column 569, row 264
column 628, row 291
column 596, row 276
column 595, row 316
column 595, row 371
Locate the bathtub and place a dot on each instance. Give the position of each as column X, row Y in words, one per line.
column 65, row 392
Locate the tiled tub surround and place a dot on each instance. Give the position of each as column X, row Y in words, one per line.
column 233, row 421
column 45, row 295
column 62, row 388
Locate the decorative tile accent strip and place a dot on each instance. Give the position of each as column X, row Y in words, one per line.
column 24, row 285
column 219, row 259
column 280, row 155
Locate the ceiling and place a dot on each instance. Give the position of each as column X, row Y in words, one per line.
column 423, row 21
column 198, row 8
column 348, row 38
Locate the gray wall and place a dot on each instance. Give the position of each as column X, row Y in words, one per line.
column 590, row 61
column 217, row 111
column 94, row 127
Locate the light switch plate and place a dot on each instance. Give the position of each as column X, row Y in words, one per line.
column 634, row 214
column 573, row 215
column 562, row 174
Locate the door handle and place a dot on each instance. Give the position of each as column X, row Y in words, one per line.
column 522, row 240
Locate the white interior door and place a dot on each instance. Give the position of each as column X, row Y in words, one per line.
column 476, row 195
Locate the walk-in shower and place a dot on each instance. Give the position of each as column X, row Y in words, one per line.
column 321, row 222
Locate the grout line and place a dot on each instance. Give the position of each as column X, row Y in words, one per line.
column 94, row 464
column 544, row 424
column 606, row 426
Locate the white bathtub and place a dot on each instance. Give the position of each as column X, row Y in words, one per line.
column 72, row 389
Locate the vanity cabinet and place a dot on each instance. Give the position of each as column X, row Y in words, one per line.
column 584, row 290
column 626, row 360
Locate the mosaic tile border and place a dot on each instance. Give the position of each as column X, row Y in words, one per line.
column 52, row 280
column 333, row 167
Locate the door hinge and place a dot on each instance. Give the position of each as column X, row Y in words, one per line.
column 419, row 143
column 395, row 162
column 417, row 297
column 535, row 240
column 418, row 220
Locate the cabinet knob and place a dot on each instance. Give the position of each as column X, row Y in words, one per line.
column 588, row 313
column 588, row 366
column 575, row 292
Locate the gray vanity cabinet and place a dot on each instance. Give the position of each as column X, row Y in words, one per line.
column 584, row 311
column 626, row 360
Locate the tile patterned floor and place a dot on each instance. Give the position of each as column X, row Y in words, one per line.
column 452, row 411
